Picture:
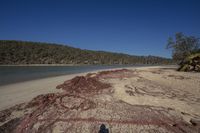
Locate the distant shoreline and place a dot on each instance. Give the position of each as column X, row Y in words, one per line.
column 12, row 74
column 44, row 65
column 88, row 65
column 18, row 73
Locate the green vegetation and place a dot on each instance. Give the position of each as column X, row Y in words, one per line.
column 191, row 63
column 185, row 50
column 182, row 46
column 22, row 52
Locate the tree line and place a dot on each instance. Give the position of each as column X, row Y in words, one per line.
column 24, row 52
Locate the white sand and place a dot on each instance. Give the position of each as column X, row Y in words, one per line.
column 163, row 88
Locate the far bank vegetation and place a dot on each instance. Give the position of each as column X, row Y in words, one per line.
column 23, row 52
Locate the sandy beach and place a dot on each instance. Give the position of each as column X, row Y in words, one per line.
column 145, row 99
column 17, row 93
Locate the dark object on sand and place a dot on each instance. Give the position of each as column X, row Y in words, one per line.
column 103, row 129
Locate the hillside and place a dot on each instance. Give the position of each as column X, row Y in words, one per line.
column 23, row 52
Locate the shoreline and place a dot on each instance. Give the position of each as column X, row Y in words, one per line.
column 54, row 72
column 17, row 77
column 17, row 93
column 161, row 91
column 86, row 65
column 44, row 65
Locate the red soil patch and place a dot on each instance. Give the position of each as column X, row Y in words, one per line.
column 121, row 73
column 41, row 99
column 83, row 85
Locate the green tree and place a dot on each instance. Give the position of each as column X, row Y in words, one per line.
column 182, row 46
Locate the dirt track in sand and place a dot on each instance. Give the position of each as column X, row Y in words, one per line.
column 124, row 100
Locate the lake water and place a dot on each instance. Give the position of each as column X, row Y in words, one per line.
column 13, row 74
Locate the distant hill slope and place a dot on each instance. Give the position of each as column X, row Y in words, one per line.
column 23, row 52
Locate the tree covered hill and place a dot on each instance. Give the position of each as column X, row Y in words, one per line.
column 23, row 52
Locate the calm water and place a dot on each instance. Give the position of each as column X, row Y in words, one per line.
column 13, row 74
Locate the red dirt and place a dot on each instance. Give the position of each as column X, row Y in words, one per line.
column 121, row 73
column 83, row 85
